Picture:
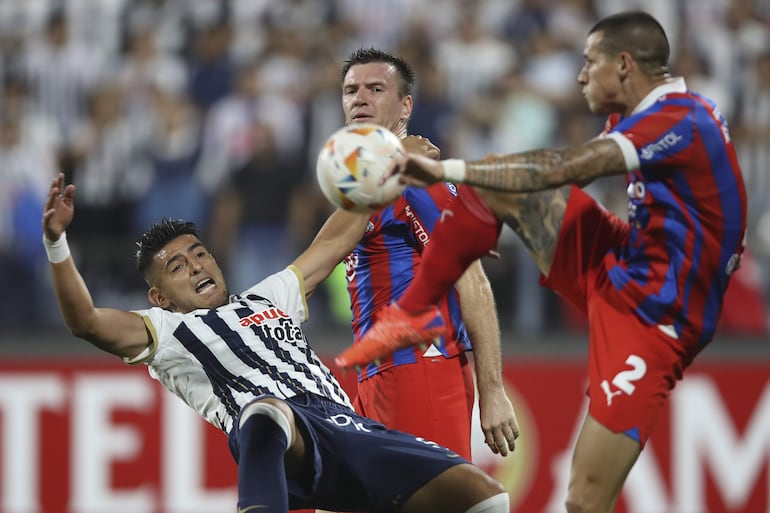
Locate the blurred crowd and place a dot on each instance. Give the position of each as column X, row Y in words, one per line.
column 214, row 110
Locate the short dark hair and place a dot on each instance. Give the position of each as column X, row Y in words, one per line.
column 639, row 34
column 368, row 55
column 157, row 236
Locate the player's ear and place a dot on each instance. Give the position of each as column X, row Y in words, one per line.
column 155, row 297
column 407, row 103
column 625, row 63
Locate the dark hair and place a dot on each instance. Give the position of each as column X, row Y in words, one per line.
column 157, row 236
column 639, row 34
column 368, row 55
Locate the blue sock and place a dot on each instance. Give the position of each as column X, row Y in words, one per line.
column 262, row 444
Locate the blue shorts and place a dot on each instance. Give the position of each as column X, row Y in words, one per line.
column 358, row 464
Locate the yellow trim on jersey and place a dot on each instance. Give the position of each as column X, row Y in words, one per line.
column 151, row 348
column 301, row 278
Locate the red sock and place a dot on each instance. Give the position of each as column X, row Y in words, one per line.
column 468, row 230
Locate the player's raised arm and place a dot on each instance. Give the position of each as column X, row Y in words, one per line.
column 335, row 240
column 116, row 331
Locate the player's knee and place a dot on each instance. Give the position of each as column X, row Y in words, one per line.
column 491, row 495
column 575, row 506
column 494, row 488
column 578, row 502
column 498, row 503
column 276, row 411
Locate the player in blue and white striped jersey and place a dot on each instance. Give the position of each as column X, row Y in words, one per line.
column 243, row 363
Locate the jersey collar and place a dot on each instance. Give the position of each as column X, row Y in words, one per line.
column 676, row 85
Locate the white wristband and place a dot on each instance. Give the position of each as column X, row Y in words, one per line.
column 57, row 251
column 454, row 170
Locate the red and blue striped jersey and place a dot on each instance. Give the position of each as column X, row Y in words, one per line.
column 686, row 211
column 383, row 264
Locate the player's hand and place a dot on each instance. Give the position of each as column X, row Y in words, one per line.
column 59, row 208
column 416, row 170
column 498, row 421
column 422, row 146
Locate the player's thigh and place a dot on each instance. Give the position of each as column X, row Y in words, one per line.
column 356, row 464
column 573, row 265
column 600, row 465
column 454, row 490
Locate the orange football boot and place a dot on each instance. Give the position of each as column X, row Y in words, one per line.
column 393, row 329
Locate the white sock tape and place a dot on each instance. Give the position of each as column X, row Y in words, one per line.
column 496, row 504
column 57, row 251
column 269, row 410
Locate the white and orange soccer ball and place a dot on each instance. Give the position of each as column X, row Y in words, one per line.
column 351, row 163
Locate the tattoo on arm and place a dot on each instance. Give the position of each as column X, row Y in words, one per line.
column 547, row 169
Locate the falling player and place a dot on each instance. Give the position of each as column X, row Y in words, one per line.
column 242, row 363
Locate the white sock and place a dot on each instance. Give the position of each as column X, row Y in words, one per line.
column 496, row 504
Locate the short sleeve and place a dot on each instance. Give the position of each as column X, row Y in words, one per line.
column 660, row 137
column 149, row 351
column 287, row 290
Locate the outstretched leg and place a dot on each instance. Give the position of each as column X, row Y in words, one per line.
column 468, row 230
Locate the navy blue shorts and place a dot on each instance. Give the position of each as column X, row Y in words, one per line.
column 358, row 464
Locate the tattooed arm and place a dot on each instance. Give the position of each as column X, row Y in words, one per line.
column 547, row 169
column 523, row 172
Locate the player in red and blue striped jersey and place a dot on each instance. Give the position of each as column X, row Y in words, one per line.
column 428, row 391
column 423, row 392
column 686, row 189
column 383, row 264
column 652, row 286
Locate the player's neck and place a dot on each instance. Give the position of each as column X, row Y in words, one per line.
column 641, row 86
column 400, row 130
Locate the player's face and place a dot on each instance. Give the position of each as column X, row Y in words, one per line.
column 370, row 95
column 600, row 78
column 187, row 277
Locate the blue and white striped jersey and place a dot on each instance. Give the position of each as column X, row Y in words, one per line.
column 218, row 360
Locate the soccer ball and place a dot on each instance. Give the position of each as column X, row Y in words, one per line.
column 351, row 163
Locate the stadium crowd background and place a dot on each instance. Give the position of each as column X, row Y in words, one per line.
column 214, row 111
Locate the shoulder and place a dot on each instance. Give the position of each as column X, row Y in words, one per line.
column 158, row 316
column 159, row 324
column 285, row 289
column 669, row 112
column 436, row 195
